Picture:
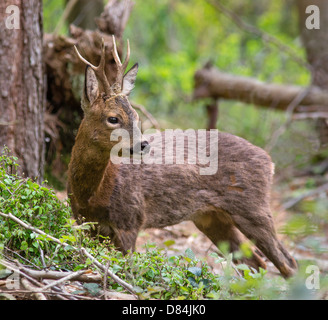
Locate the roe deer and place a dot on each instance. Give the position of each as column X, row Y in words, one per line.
column 124, row 198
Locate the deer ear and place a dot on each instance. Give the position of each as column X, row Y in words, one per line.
column 129, row 79
column 91, row 88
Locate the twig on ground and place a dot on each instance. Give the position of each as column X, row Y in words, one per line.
column 105, row 278
column 82, row 250
column 55, row 275
column 70, row 276
column 110, row 273
column 17, row 269
column 28, row 286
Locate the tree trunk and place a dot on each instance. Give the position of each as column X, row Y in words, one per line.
column 22, row 98
column 315, row 42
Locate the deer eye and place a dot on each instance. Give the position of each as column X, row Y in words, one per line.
column 112, row 120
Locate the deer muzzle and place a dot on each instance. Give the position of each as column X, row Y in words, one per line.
column 142, row 147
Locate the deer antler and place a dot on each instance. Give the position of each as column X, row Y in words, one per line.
column 116, row 88
column 120, row 67
column 100, row 69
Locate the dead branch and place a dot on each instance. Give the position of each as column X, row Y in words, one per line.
column 212, row 83
column 310, row 115
column 17, row 269
column 28, row 286
column 82, row 250
column 86, row 276
column 292, row 202
column 69, row 276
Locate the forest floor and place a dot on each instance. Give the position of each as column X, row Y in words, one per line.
column 304, row 233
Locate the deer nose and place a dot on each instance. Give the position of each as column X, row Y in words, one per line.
column 141, row 146
column 144, row 145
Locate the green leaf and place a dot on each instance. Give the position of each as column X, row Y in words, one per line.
column 24, row 245
column 69, row 248
column 151, row 273
column 195, row 271
column 246, row 250
column 193, row 282
column 206, row 282
column 116, row 268
column 219, row 260
column 93, row 288
column 8, row 181
column 243, row 267
column 5, row 273
column 213, row 295
column 190, row 254
column 35, row 244
column 169, row 243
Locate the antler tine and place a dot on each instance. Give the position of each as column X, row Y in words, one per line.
column 120, row 67
column 100, row 69
column 102, row 61
column 115, row 54
column 84, row 60
column 127, row 58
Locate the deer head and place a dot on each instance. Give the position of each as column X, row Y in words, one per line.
column 107, row 110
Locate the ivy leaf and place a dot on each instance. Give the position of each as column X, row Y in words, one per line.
column 206, row 282
column 193, row 282
column 24, row 245
column 5, row 273
column 195, row 271
column 93, row 288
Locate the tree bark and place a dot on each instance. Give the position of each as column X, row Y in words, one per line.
column 22, row 86
column 212, row 114
column 315, row 42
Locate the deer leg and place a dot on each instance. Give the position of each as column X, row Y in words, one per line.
column 218, row 227
column 260, row 228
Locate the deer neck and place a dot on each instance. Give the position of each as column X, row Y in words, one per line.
column 91, row 173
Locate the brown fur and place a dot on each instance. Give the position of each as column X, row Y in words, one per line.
column 125, row 198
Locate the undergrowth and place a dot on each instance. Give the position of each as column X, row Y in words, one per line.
column 153, row 274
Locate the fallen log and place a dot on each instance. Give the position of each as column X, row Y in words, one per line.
column 210, row 82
